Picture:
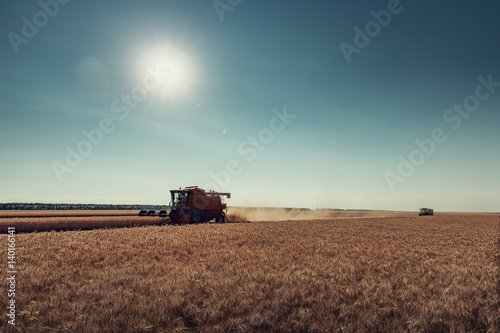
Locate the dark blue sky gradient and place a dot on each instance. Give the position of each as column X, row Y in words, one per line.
column 353, row 120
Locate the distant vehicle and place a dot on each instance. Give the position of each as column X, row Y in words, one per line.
column 425, row 211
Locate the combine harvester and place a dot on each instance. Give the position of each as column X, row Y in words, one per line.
column 193, row 205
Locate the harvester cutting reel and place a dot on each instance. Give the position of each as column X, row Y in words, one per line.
column 161, row 213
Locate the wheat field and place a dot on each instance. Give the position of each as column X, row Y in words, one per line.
column 392, row 274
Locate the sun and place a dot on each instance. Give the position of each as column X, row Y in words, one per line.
column 178, row 68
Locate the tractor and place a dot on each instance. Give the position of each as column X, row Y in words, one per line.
column 425, row 211
column 195, row 205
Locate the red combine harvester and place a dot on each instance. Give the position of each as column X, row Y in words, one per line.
column 194, row 205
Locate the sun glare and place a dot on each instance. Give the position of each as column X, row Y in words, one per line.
column 175, row 67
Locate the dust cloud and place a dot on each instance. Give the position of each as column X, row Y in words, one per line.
column 240, row 214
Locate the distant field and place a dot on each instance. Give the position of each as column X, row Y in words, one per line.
column 390, row 274
column 46, row 220
column 28, row 224
column 253, row 213
column 55, row 213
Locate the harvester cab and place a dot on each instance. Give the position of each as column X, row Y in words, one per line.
column 195, row 205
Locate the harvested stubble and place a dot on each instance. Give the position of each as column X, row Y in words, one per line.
column 432, row 274
column 28, row 224
column 65, row 213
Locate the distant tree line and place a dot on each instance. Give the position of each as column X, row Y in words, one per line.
column 61, row 206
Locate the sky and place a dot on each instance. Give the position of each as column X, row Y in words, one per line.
column 327, row 104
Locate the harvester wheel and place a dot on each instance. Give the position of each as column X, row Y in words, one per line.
column 219, row 219
column 196, row 218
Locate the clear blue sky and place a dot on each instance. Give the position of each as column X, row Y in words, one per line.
column 285, row 102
